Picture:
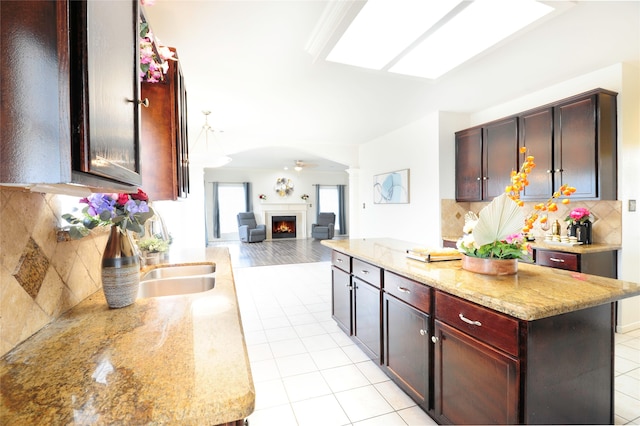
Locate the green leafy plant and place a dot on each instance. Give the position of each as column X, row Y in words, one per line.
column 153, row 245
column 496, row 232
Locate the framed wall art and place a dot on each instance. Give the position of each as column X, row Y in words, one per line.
column 391, row 188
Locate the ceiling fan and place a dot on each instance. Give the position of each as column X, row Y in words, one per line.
column 302, row 165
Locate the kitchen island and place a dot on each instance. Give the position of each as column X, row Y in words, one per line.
column 535, row 347
column 163, row 360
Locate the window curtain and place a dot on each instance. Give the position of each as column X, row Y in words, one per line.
column 317, row 200
column 247, row 196
column 216, row 211
column 342, row 209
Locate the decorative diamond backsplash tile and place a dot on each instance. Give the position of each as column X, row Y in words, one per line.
column 40, row 278
column 32, row 268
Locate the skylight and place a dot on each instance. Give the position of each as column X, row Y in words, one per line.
column 429, row 38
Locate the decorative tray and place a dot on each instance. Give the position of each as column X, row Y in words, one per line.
column 434, row 255
column 560, row 243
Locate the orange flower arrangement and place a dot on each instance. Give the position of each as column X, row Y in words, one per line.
column 519, row 180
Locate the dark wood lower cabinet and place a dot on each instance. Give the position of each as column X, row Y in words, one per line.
column 473, row 382
column 366, row 327
column 341, row 299
column 468, row 364
column 406, row 348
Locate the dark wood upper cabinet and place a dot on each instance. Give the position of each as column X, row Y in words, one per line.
column 500, row 156
column 70, row 88
column 485, row 157
column 585, row 139
column 469, row 165
column 573, row 141
column 164, row 149
column 536, row 134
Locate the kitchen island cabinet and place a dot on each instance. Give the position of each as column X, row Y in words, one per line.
column 163, row 360
column 532, row 348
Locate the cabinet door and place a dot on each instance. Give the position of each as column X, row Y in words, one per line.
column 366, row 317
column 473, row 382
column 406, row 348
column 576, row 146
column 341, row 298
column 536, row 134
column 469, row 165
column 105, row 89
column 182, row 135
column 500, row 156
column 164, row 152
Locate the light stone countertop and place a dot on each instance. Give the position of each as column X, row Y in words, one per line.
column 166, row 360
column 535, row 292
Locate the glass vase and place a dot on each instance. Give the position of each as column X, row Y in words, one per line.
column 120, row 269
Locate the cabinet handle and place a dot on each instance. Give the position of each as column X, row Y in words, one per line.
column 365, row 272
column 423, row 332
column 485, row 178
column 349, row 286
column 549, row 171
column 554, row 259
column 339, row 260
column 468, row 321
column 559, row 170
column 144, row 102
column 435, row 339
column 403, row 290
column 479, row 179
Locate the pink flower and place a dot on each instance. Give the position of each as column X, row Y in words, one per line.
column 514, row 238
column 579, row 213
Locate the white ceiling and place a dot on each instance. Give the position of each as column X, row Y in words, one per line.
column 245, row 61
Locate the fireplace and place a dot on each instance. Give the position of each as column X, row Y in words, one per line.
column 283, row 227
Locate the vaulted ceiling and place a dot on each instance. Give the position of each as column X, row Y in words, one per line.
column 245, row 61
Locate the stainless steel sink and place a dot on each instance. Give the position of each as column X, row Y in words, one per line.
column 175, row 286
column 178, row 271
column 179, row 279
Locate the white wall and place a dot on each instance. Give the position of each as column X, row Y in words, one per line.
column 418, row 147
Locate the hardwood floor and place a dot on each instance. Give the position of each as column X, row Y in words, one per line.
column 275, row 252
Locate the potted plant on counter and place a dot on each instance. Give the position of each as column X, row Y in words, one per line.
column 152, row 249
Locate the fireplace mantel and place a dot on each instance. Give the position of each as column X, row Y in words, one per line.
column 299, row 210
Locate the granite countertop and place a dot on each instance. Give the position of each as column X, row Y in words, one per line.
column 535, row 292
column 165, row 360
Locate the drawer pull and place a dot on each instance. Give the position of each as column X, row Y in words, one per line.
column 364, row 271
column 434, row 339
column 339, row 260
column 423, row 332
column 403, row 290
column 468, row 321
column 555, row 259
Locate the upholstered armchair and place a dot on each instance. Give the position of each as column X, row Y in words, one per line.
column 249, row 230
column 324, row 229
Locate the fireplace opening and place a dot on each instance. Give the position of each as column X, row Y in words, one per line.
column 283, row 227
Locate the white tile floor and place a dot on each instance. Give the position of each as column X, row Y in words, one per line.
column 308, row 372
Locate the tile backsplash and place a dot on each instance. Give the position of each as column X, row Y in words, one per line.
column 607, row 218
column 40, row 278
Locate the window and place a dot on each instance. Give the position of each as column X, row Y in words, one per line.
column 231, row 199
column 329, row 202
